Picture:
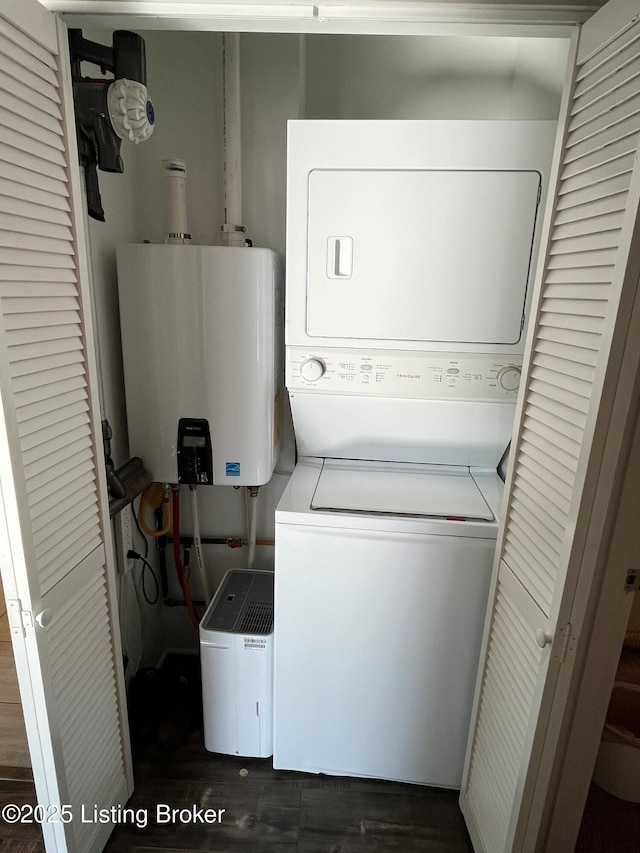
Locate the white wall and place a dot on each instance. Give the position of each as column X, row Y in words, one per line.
column 271, row 70
column 405, row 77
column 283, row 76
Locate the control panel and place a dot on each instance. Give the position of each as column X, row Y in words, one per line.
column 194, row 452
column 438, row 376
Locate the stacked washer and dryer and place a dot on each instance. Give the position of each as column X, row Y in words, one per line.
column 410, row 247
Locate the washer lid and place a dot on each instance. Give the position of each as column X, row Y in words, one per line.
column 443, row 491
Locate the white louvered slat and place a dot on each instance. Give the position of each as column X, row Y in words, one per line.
column 34, row 274
column 622, row 165
column 540, row 438
column 12, row 206
column 29, row 112
column 555, row 377
column 28, row 131
column 567, row 367
column 47, row 379
column 593, row 66
column 57, row 453
column 57, row 567
column 572, row 244
column 30, row 367
column 20, row 339
column 26, row 44
column 45, row 504
column 35, row 244
column 594, row 224
column 557, row 444
column 588, row 291
column 75, row 529
column 593, row 159
column 83, row 493
column 588, row 275
column 528, row 506
column 603, row 83
column 37, row 289
column 33, row 77
column 27, row 256
column 569, row 337
column 40, row 146
column 16, row 87
column 36, row 441
column 45, row 187
column 528, row 566
column 43, row 449
column 33, row 226
column 45, row 167
column 48, row 520
column 61, row 471
column 34, row 306
column 586, row 260
column 583, row 213
column 31, row 193
column 592, row 109
column 59, row 317
column 48, row 412
column 617, row 133
column 544, row 418
column 25, row 399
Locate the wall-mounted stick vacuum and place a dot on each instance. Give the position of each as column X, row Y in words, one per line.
column 108, row 111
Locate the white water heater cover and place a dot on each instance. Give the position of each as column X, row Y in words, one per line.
column 201, row 338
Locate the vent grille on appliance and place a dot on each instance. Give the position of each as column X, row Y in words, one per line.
column 244, row 604
column 258, row 619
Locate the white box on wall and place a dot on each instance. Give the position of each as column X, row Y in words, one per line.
column 201, row 338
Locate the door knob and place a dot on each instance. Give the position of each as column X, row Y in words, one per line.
column 44, row 617
column 542, row 638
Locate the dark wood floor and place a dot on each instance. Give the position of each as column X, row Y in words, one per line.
column 284, row 812
column 281, row 812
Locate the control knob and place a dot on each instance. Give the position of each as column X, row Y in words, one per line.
column 508, row 378
column 312, row 369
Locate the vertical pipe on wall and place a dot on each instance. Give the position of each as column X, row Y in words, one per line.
column 232, row 230
column 176, row 174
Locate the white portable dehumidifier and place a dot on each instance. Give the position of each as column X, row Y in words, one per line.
column 236, row 654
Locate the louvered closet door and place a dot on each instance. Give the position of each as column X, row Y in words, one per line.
column 54, row 528
column 584, row 293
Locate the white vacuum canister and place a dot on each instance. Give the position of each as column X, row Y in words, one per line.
column 201, row 339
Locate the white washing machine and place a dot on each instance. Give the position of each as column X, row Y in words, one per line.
column 379, row 616
column 409, row 248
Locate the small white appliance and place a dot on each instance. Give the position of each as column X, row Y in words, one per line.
column 409, row 265
column 236, row 654
column 201, row 340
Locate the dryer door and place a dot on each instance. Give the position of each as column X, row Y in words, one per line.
column 437, row 255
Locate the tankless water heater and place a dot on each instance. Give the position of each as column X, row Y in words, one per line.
column 201, row 341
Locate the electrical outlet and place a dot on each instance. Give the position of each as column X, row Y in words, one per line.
column 124, row 539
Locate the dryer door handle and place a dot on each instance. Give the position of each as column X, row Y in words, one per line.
column 339, row 257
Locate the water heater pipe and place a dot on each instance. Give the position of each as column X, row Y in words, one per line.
column 252, row 513
column 232, row 229
column 176, row 174
column 197, row 541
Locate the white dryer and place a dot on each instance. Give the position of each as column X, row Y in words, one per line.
column 409, row 250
